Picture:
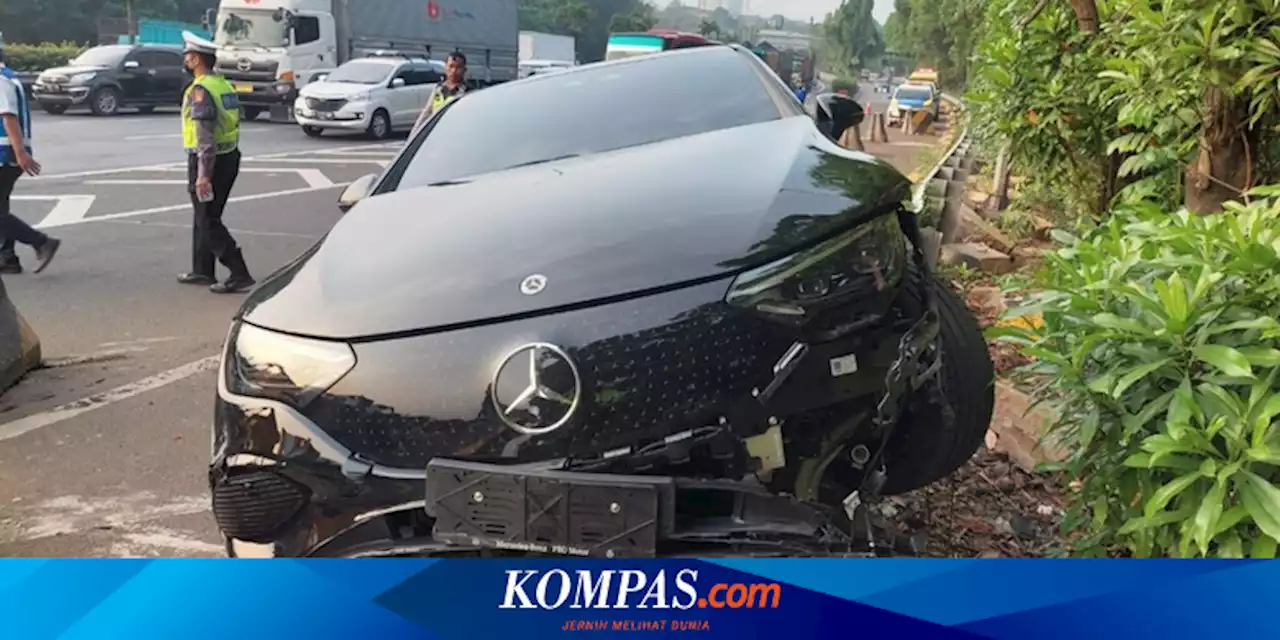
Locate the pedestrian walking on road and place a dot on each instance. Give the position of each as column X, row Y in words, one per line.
column 453, row 87
column 15, row 160
column 211, row 136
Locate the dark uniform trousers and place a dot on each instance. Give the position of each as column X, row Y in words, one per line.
column 210, row 239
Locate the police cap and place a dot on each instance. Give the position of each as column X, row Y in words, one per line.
column 193, row 43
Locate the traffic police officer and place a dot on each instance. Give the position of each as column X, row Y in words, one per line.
column 455, row 73
column 15, row 160
column 211, row 136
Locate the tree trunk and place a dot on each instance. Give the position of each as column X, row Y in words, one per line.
column 1223, row 168
column 1004, row 167
column 1086, row 15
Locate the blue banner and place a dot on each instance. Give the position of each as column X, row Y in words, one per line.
column 482, row 599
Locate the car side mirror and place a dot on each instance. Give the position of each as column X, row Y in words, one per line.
column 396, row 83
column 837, row 113
column 131, row 64
column 207, row 19
column 356, row 191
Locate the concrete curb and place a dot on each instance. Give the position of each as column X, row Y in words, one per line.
column 19, row 344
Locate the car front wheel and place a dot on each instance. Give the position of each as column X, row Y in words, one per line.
column 924, row 447
column 105, row 101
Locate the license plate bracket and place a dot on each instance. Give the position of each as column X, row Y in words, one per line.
column 244, row 88
column 549, row 512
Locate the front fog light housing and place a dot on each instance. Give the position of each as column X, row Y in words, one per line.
column 294, row 370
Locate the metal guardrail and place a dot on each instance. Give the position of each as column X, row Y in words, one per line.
column 917, row 198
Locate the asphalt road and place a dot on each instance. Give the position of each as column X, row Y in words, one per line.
column 103, row 452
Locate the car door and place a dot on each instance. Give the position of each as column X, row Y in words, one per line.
column 400, row 98
column 134, row 80
column 165, row 77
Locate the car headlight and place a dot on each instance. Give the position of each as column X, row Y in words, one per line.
column 837, row 285
column 83, row 78
column 362, row 96
column 294, row 370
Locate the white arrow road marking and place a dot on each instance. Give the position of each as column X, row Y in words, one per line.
column 186, row 206
column 313, row 177
column 68, row 209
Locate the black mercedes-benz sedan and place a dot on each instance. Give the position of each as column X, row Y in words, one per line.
column 638, row 308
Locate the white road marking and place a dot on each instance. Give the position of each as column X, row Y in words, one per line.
column 186, row 206
column 313, row 177
column 391, row 153
column 137, row 182
column 166, row 165
column 67, row 209
column 130, row 343
column 234, row 232
column 15, row 428
column 382, row 163
column 157, row 136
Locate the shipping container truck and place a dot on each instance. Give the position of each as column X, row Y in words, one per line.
column 269, row 49
column 535, row 45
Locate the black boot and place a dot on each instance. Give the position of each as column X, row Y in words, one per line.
column 240, row 280
column 196, row 278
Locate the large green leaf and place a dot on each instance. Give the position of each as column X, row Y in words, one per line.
column 1225, row 359
column 1168, row 492
column 1262, row 500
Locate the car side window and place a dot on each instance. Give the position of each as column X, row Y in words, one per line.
column 158, row 59
column 431, row 75
column 306, row 29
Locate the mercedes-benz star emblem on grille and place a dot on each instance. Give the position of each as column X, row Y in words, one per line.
column 533, row 285
column 536, row 389
column 244, row 64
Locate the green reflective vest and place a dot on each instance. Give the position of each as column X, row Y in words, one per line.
column 226, row 133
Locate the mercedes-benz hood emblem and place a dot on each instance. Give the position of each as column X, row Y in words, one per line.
column 536, row 389
column 533, row 285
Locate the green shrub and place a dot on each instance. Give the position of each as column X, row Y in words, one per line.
column 1160, row 348
column 38, row 57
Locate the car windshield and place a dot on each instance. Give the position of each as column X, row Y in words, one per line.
column 913, row 95
column 250, row 29
column 588, row 110
column 358, row 72
column 102, row 57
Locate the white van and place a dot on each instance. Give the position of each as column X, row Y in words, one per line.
column 375, row 95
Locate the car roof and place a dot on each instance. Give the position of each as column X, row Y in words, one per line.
column 396, row 60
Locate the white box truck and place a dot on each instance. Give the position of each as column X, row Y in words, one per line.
column 271, row 48
column 535, row 45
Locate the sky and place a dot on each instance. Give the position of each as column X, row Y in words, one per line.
column 804, row 9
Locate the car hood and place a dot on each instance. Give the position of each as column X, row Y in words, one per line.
column 597, row 228
column 331, row 90
column 69, row 71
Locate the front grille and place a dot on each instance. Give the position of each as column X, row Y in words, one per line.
column 641, row 385
column 256, row 71
column 325, row 105
column 254, row 506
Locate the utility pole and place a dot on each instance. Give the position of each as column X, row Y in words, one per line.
column 133, row 31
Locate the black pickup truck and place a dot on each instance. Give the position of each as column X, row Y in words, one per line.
column 109, row 78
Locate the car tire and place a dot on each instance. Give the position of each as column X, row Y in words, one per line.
column 312, row 132
column 379, row 125
column 55, row 109
column 105, row 101
column 924, row 448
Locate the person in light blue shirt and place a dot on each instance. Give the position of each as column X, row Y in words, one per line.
column 15, row 160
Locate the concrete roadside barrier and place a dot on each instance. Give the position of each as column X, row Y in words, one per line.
column 19, row 345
